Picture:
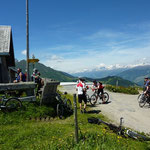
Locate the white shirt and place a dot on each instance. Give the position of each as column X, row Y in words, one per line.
column 80, row 88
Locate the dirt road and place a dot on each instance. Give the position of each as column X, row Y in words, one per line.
column 122, row 105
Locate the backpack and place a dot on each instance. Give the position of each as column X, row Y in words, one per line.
column 24, row 77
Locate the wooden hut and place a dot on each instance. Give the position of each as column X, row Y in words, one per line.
column 7, row 60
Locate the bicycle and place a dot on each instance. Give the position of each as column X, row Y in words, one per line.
column 64, row 106
column 94, row 97
column 143, row 99
column 9, row 104
column 119, row 129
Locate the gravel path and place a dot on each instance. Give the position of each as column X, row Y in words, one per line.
column 122, row 105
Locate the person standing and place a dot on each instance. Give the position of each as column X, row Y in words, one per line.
column 34, row 75
column 146, row 83
column 100, row 90
column 81, row 94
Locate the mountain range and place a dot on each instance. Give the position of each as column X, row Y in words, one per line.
column 134, row 74
column 99, row 73
column 120, row 76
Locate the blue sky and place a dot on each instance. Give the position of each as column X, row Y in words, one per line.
column 77, row 35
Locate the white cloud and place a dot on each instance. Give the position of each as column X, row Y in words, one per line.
column 24, row 52
column 56, row 58
column 105, row 49
column 118, row 57
column 105, row 34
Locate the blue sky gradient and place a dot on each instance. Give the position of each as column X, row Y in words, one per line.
column 77, row 35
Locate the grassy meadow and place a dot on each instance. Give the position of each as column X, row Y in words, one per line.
column 20, row 130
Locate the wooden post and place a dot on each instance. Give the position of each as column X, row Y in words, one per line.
column 27, row 40
column 75, row 117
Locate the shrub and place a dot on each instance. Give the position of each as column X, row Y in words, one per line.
column 120, row 89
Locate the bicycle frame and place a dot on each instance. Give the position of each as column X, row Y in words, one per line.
column 120, row 130
column 64, row 105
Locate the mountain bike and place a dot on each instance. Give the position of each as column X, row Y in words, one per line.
column 143, row 99
column 64, row 105
column 101, row 97
column 119, row 129
column 9, row 104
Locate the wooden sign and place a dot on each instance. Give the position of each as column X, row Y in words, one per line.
column 33, row 60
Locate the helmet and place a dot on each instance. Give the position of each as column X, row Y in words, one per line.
column 35, row 70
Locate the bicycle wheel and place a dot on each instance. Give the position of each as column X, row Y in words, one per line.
column 93, row 100
column 142, row 101
column 13, row 104
column 135, row 135
column 106, row 97
column 139, row 97
column 60, row 111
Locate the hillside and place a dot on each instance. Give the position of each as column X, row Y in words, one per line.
column 136, row 74
column 47, row 72
column 114, row 80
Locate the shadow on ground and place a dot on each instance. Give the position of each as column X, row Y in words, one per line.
column 105, row 102
column 93, row 111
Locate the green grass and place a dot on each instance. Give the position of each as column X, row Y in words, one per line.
column 18, row 132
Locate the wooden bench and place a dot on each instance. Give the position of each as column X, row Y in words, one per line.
column 48, row 91
column 27, row 87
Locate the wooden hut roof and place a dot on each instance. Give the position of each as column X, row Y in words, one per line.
column 6, row 45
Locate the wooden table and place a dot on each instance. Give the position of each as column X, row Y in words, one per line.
column 27, row 87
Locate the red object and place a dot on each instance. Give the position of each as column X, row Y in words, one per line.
column 79, row 85
column 101, row 87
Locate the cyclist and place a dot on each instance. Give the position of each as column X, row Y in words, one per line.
column 146, row 82
column 86, row 86
column 37, row 79
column 147, row 91
column 95, row 85
column 21, row 77
column 81, row 88
column 101, row 90
column 34, row 75
column 95, row 88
